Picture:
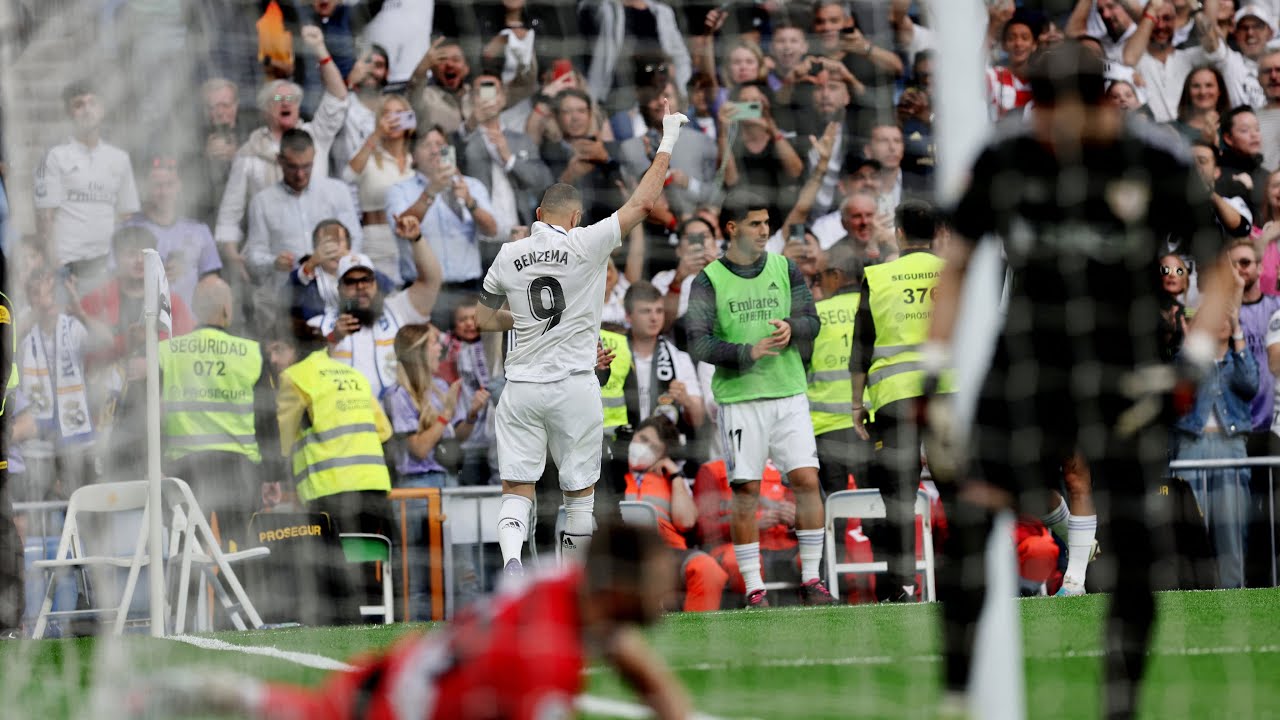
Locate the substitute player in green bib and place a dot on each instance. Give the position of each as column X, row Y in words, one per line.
column 897, row 307
column 751, row 315
column 217, row 404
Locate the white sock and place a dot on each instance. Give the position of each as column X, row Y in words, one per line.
column 748, row 556
column 513, row 525
column 578, row 526
column 1056, row 519
column 1080, row 532
column 810, row 554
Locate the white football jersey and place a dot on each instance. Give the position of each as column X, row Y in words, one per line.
column 554, row 282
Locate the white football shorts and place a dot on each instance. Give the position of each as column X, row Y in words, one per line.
column 757, row 430
column 565, row 417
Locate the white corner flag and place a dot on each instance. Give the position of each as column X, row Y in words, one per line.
column 157, row 291
column 156, row 314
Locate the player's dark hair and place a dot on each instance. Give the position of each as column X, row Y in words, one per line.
column 1201, row 142
column 666, row 430
column 132, row 237
column 642, row 291
column 328, row 223
column 1066, row 71
column 561, row 197
column 1229, row 120
column 618, row 554
column 296, row 140
column 917, row 220
column 737, row 205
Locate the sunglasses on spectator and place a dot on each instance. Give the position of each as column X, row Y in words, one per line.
column 655, row 68
column 291, row 97
column 352, row 281
column 1166, row 270
column 1243, row 262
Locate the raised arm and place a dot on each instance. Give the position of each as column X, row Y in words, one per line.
column 330, row 75
column 1078, row 23
column 424, row 291
column 1136, row 46
column 641, row 202
column 824, row 146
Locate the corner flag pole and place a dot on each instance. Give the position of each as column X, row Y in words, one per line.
column 996, row 686
column 154, row 297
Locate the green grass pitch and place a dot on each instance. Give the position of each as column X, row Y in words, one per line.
column 1215, row 655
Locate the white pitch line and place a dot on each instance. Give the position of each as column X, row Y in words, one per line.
column 311, row 660
column 586, row 703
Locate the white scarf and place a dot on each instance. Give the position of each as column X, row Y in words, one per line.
column 61, row 378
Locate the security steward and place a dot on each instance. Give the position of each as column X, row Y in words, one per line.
column 218, row 404
column 840, row 451
column 334, row 429
column 897, row 307
column 12, row 590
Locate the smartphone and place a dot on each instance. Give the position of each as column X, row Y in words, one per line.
column 560, row 68
column 364, row 316
column 697, row 241
column 488, row 90
column 747, row 111
column 797, row 233
column 449, row 156
column 406, row 120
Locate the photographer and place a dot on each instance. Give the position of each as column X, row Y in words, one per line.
column 362, row 330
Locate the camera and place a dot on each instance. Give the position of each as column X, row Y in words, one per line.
column 815, row 68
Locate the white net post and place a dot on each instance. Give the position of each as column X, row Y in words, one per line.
column 154, row 276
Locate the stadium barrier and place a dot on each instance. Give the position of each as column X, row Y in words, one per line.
column 1269, row 462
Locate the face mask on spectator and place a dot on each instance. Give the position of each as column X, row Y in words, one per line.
column 640, row 456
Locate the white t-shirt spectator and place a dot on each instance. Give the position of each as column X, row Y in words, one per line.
column 371, row 350
column 88, row 188
column 1165, row 80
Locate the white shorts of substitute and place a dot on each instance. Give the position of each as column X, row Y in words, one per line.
column 757, row 430
column 565, row 416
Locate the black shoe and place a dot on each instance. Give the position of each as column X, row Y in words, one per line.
column 905, row 594
column 12, row 634
column 757, row 599
column 815, row 592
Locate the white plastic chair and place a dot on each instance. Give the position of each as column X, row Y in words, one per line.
column 86, row 546
column 867, row 504
column 638, row 513
column 372, row 548
column 193, row 543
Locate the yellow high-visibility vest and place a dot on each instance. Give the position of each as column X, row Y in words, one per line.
column 901, row 294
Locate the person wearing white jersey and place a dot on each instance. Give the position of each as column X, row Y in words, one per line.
column 553, row 283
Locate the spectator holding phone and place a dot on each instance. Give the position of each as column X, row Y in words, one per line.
column 383, row 161
column 362, row 330
column 696, row 249
column 449, row 210
column 313, row 285
column 503, row 159
column 761, row 160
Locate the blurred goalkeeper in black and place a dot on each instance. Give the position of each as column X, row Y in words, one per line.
column 1083, row 201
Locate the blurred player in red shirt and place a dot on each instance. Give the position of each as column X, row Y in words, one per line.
column 519, row 656
column 655, row 479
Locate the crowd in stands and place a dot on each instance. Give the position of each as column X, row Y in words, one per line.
column 359, row 164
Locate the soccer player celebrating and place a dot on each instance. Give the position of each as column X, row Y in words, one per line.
column 750, row 313
column 1084, row 202
column 520, row 655
column 553, row 282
